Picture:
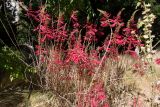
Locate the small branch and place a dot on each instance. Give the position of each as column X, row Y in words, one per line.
column 23, row 6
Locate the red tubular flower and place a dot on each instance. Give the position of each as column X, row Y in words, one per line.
column 157, row 61
column 40, row 50
column 74, row 16
column 60, row 21
column 126, row 31
column 119, row 39
column 104, row 19
column 137, row 102
column 115, row 21
column 72, row 37
column 104, row 23
column 120, row 42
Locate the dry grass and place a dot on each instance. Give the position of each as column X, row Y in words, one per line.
column 124, row 86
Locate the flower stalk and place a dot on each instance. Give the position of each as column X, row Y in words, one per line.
column 146, row 23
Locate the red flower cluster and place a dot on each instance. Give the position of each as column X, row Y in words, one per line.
column 39, row 15
column 73, row 46
column 79, row 48
column 77, row 54
column 111, row 22
column 97, row 95
column 74, row 19
column 127, row 39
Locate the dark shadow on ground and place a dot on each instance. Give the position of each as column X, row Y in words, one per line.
column 12, row 99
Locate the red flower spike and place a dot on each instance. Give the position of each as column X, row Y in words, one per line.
column 90, row 33
column 60, row 21
column 115, row 21
column 74, row 16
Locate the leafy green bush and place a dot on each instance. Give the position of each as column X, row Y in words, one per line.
column 12, row 62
